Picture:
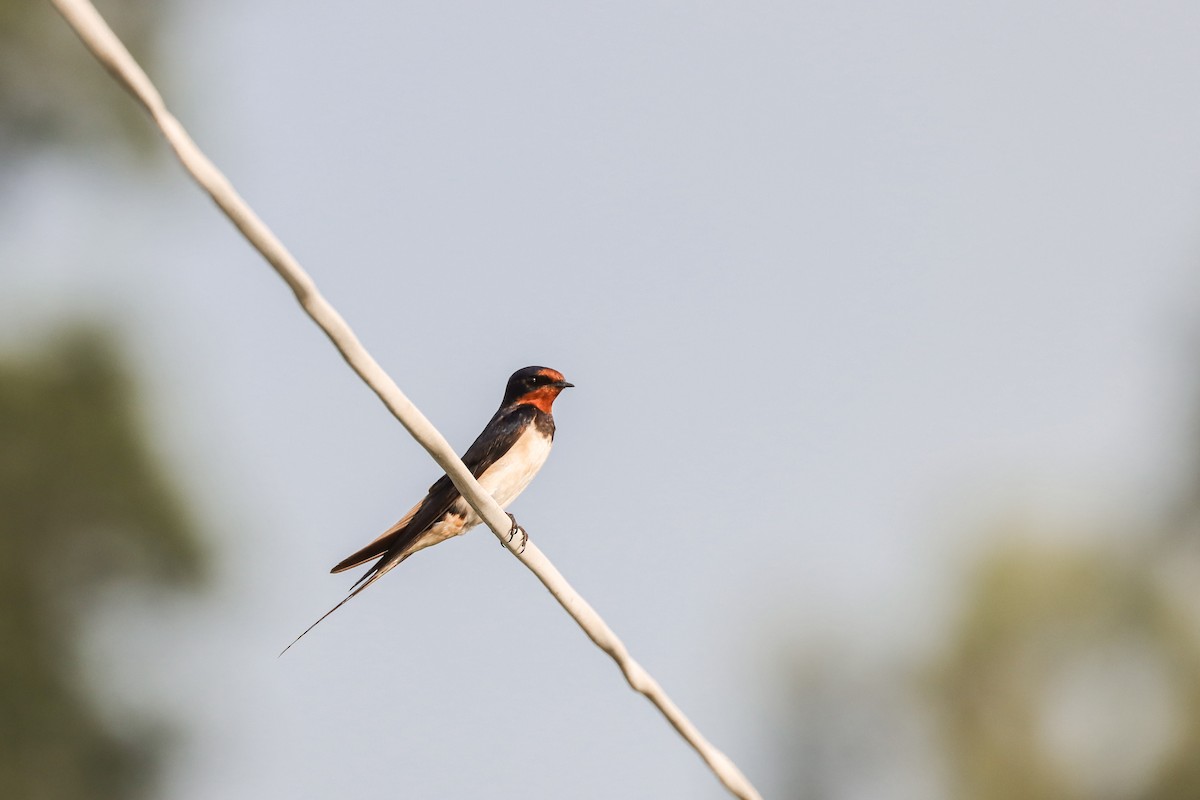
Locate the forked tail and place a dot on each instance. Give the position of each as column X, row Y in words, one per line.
column 373, row 574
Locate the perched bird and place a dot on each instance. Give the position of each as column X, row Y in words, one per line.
column 504, row 459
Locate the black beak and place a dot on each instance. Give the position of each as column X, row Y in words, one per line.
column 564, row 385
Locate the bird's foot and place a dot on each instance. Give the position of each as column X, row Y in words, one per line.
column 514, row 530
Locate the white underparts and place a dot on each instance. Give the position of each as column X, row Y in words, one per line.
column 504, row 480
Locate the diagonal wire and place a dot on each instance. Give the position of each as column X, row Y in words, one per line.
column 83, row 17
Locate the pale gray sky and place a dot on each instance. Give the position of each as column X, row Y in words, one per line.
column 834, row 281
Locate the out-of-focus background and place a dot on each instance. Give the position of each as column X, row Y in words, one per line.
column 883, row 456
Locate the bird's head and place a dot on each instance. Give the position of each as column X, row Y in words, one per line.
column 536, row 386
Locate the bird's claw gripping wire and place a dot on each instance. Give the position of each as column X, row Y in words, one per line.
column 514, row 530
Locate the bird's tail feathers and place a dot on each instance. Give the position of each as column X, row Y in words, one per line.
column 381, row 568
column 381, row 544
column 375, row 549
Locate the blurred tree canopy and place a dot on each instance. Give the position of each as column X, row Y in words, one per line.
column 1072, row 673
column 53, row 92
column 1069, row 670
column 85, row 504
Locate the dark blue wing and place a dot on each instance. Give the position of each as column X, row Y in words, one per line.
column 501, row 432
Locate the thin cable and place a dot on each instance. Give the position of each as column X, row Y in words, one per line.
column 83, row 17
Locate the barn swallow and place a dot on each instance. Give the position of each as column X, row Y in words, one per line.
column 504, row 458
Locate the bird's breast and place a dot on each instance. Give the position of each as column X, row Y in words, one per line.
column 512, row 472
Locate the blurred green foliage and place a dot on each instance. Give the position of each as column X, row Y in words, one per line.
column 1070, row 670
column 85, row 505
column 53, row 93
column 1072, row 673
